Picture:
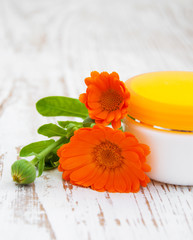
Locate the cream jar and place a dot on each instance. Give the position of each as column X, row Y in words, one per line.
column 160, row 114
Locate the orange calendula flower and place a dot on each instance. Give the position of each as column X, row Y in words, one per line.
column 105, row 160
column 106, row 98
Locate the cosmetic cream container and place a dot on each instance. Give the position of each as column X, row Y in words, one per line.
column 160, row 114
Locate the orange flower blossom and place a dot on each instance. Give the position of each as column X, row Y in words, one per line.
column 106, row 98
column 105, row 160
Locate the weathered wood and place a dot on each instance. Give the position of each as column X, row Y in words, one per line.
column 48, row 48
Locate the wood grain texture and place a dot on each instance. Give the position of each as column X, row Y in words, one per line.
column 47, row 47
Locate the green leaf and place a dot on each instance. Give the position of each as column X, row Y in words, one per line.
column 51, row 161
column 41, row 166
column 35, row 148
column 65, row 124
column 61, row 106
column 51, row 130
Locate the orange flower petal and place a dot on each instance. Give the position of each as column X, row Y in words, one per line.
column 137, row 172
column 106, row 93
column 109, row 186
column 92, row 113
column 135, row 183
column 82, row 172
column 95, row 105
column 89, row 180
column 93, row 93
column 76, row 162
column 60, row 169
column 132, row 157
column 94, row 74
column 119, row 182
column 126, row 178
column 66, row 175
column 88, row 81
column 102, row 115
column 145, row 182
column 99, row 190
column 73, row 149
column 82, row 98
column 146, row 149
column 116, row 124
column 100, row 182
column 118, row 115
column 128, row 142
column 59, row 152
column 117, row 137
column 110, row 116
column 146, row 168
column 98, row 158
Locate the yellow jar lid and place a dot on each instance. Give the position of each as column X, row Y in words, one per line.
column 163, row 99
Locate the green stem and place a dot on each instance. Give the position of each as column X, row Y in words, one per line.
column 47, row 150
column 88, row 121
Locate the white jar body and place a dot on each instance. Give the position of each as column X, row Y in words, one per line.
column 171, row 157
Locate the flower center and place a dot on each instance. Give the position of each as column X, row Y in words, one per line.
column 108, row 155
column 111, row 100
column 17, row 178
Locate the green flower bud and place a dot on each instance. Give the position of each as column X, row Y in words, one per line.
column 23, row 172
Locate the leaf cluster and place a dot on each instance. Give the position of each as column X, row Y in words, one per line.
column 45, row 152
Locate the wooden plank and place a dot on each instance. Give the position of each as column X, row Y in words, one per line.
column 1, row 165
column 48, row 48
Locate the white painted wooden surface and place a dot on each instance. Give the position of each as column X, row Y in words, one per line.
column 47, row 47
